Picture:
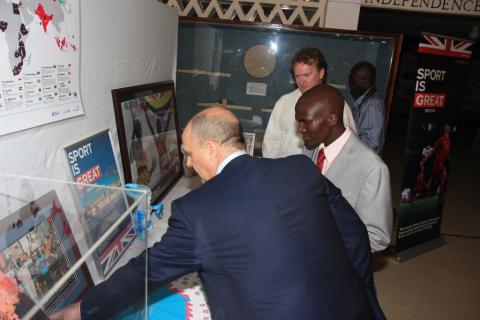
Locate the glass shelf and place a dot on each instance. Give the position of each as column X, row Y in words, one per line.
column 58, row 239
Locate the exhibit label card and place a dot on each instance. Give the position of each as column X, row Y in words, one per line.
column 256, row 89
column 91, row 161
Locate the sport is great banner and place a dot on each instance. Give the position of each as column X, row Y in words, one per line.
column 439, row 81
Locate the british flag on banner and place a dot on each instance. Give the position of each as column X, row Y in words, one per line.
column 110, row 256
column 445, row 46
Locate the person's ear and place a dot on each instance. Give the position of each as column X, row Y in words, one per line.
column 213, row 149
column 332, row 119
column 322, row 75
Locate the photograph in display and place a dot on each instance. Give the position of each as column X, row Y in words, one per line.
column 91, row 161
column 249, row 142
column 36, row 251
column 148, row 135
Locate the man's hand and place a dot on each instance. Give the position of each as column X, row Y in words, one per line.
column 71, row 312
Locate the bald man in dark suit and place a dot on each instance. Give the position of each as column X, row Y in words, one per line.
column 260, row 232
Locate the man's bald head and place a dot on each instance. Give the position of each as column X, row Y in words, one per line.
column 209, row 138
column 217, row 124
column 322, row 98
column 319, row 113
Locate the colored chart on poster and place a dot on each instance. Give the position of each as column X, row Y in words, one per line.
column 39, row 63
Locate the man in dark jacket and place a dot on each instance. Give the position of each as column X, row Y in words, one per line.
column 260, row 232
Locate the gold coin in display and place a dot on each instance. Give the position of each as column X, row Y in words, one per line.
column 259, row 61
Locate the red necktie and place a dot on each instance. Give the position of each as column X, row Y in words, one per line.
column 320, row 159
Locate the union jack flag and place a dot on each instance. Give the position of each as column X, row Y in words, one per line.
column 445, row 46
column 111, row 255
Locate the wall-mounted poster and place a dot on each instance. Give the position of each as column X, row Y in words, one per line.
column 91, row 161
column 39, row 63
column 148, row 134
column 36, row 249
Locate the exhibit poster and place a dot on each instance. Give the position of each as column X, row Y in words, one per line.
column 39, row 63
column 37, row 248
column 91, row 161
column 440, row 76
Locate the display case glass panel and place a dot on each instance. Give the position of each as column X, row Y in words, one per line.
column 45, row 249
column 247, row 67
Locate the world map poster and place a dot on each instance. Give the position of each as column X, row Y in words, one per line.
column 39, row 62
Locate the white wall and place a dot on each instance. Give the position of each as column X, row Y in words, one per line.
column 123, row 43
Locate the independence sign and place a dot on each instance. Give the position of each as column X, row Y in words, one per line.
column 461, row 7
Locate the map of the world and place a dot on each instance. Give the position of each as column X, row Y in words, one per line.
column 39, row 62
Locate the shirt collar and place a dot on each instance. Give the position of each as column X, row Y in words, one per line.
column 333, row 149
column 360, row 99
column 227, row 160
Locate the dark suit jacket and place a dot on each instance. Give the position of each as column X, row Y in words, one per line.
column 356, row 241
column 264, row 241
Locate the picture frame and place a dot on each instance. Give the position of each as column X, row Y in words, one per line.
column 148, row 134
column 92, row 161
column 37, row 248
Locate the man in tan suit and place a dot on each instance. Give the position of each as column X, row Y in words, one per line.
column 352, row 166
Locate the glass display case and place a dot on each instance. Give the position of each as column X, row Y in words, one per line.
column 50, row 233
column 247, row 66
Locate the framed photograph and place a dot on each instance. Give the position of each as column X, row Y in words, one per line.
column 91, row 161
column 148, row 134
column 36, row 249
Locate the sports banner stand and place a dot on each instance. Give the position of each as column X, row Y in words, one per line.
column 440, row 78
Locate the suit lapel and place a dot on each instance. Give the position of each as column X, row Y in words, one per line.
column 343, row 160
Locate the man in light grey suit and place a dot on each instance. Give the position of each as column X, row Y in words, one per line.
column 352, row 166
